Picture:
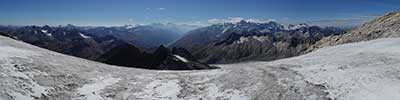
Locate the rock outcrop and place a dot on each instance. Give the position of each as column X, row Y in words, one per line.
column 161, row 59
column 384, row 26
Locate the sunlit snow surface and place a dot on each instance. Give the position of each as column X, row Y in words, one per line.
column 359, row 71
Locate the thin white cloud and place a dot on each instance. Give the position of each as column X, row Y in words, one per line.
column 342, row 22
column 194, row 23
column 238, row 19
column 285, row 18
column 369, row 17
column 161, row 8
column 156, row 9
column 214, row 21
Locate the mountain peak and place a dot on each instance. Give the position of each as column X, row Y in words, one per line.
column 162, row 48
column 129, row 26
column 297, row 26
column 243, row 22
column 46, row 27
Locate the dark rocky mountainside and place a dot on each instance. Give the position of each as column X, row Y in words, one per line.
column 206, row 35
column 126, row 55
column 161, row 59
column 243, row 41
column 68, row 41
column 108, row 49
column 142, row 36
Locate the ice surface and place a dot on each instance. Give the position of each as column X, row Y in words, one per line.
column 358, row 71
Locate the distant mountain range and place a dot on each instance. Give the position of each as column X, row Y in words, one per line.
column 143, row 36
column 344, row 72
column 217, row 43
column 355, row 71
column 91, row 43
column 243, row 41
column 64, row 40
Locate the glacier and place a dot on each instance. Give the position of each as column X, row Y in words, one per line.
column 357, row 71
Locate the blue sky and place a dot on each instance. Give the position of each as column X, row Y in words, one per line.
column 197, row 12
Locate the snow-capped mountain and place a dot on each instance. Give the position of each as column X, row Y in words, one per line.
column 107, row 49
column 242, row 41
column 344, row 72
column 295, row 27
column 130, row 26
column 142, row 36
column 215, row 32
column 67, row 40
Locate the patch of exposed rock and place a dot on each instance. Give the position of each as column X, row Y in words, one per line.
column 384, row 26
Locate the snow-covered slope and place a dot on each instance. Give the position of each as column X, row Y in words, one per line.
column 360, row 71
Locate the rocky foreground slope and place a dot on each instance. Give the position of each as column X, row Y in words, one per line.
column 384, row 26
column 358, row 71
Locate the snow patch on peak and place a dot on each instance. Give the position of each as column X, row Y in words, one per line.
column 226, row 29
column 44, row 31
column 84, row 36
column 261, row 38
column 181, row 58
column 257, row 38
column 130, row 26
column 47, row 32
column 294, row 27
